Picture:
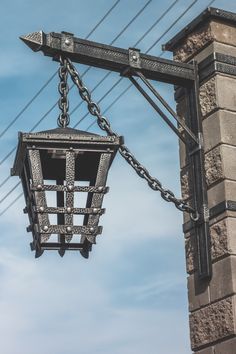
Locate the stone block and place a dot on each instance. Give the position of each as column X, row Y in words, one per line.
column 203, row 36
column 219, row 92
column 186, row 183
column 181, row 110
column 198, row 293
column 225, row 190
column 223, row 243
column 226, row 92
column 220, row 163
column 219, row 128
column 226, row 347
column 193, row 43
column 213, row 323
column 190, row 252
column 223, row 32
column 207, row 97
column 223, row 282
column 219, row 239
column 214, row 166
column 209, row 350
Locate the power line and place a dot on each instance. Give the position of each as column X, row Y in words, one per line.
column 172, row 25
column 85, row 72
column 27, row 105
column 11, row 204
column 116, row 83
column 112, row 42
column 52, row 77
column 102, row 19
column 147, row 51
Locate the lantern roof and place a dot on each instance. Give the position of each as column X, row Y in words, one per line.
column 62, row 138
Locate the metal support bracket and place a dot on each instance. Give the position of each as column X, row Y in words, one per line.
column 198, row 179
column 193, row 140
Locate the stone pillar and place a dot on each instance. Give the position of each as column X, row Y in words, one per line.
column 211, row 40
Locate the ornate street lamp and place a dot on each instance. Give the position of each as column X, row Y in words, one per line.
column 65, row 162
column 68, row 156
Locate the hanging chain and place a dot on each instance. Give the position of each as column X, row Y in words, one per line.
column 63, row 88
column 104, row 124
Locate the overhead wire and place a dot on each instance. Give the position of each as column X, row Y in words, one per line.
column 98, row 84
column 118, row 81
column 41, row 90
column 27, row 105
column 85, row 72
column 146, row 52
column 52, row 77
column 151, row 47
column 135, row 44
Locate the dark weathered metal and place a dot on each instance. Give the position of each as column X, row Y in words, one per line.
column 226, row 205
column 198, row 181
column 63, row 88
column 169, row 109
column 217, row 62
column 108, row 57
column 128, row 63
column 69, row 157
column 158, row 110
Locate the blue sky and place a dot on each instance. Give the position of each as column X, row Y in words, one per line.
column 130, row 297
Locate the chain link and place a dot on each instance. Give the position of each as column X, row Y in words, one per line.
column 63, row 88
column 104, row 124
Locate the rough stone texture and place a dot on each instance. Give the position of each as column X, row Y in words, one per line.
column 193, row 43
column 204, row 36
column 226, row 347
column 198, row 293
column 223, row 282
column 189, row 251
column 223, row 243
column 219, row 241
column 213, row 166
column 209, row 350
column 181, row 109
column 220, row 163
column 186, row 185
column 207, row 96
column 212, row 323
column 219, row 128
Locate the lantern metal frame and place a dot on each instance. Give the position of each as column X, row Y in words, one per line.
column 67, row 157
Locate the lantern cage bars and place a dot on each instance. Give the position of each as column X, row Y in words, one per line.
column 63, row 173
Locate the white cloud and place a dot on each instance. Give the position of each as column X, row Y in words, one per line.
column 46, row 309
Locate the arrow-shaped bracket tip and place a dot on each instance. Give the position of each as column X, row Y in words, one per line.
column 34, row 40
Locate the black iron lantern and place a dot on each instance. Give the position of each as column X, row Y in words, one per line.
column 56, row 167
